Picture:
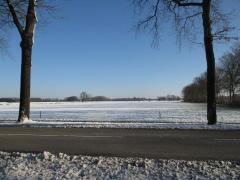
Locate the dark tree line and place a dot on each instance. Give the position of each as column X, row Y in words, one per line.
column 33, row 99
column 169, row 98
column 227, row 81
column 89, row 98
column 196, row 91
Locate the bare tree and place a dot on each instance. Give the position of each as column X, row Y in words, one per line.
column 21, row 14
column 230, row 71
column 84, row 96
column 187, row 15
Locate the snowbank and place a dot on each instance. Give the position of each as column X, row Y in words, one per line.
column 27, row 121
column 48, row 166
column 125, row 125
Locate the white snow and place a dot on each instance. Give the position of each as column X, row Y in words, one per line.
column 144, row 114
column 61, row 166
column 26, row 120
column 36, row 124
column 173, row 115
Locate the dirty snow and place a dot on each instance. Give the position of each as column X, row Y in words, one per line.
column 61, row 166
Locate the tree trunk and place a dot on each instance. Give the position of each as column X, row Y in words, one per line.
column 27, row 35
column 24, row 108
column 208, row 43
column 233, row 96
column 231, row 87
column 230, row 96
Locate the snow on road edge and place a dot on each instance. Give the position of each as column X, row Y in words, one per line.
column 47, row 166
column 154, row 125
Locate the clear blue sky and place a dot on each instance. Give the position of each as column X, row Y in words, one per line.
column 93, row 49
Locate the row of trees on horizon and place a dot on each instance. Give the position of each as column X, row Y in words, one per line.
column 85, row 97
column 227, row 81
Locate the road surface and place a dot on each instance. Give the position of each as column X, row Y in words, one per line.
column 147, row 143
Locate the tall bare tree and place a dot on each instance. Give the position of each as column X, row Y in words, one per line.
column 187, row 15
column 21, row 14
column 230, row 72
column 84, row 96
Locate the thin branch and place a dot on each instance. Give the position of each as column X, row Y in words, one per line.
column 15, row 18
column 184, row 4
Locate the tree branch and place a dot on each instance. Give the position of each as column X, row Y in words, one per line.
column 15, row 18
column 31, row 17
column 182, row 3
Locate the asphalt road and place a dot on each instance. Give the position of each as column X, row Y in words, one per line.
column 166, row 144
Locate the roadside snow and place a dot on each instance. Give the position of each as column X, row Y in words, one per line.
column 27, row 121
column 49, row 166
column 126, row 125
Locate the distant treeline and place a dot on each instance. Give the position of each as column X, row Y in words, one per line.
column 13, row 99
column 227, row 81
column 169, row 98
column 9, row 99
column 85, row 97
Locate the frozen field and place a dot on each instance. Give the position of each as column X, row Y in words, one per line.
column 118, row 112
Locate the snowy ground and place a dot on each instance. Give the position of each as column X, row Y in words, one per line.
column 48, row 166
column 153, row 114
column 174, row 115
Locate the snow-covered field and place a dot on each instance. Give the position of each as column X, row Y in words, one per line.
column 48, row 166
column 120, row 114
